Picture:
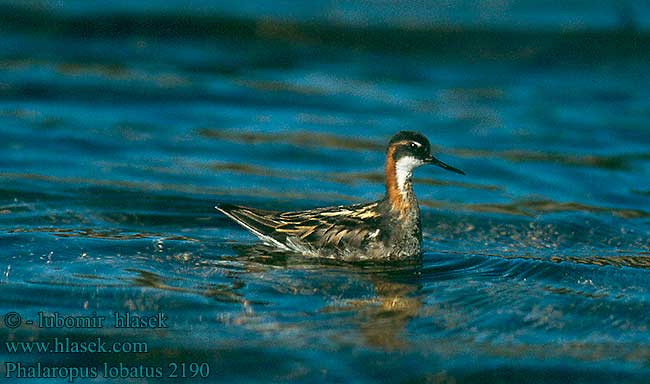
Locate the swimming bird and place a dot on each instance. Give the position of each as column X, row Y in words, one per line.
column 387, row 229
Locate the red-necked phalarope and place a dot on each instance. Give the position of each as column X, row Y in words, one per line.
column 388, row 229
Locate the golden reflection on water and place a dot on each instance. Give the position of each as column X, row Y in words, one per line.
column 182, row 188
column 532, row 208
column 227, row 293
column 297, row 138
column 279, row 86
column 632, row 259
column 382, row 319
column 612, row 162
column 93, row 233
column 113, row 71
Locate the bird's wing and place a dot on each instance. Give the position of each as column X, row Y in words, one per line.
column 331, row 226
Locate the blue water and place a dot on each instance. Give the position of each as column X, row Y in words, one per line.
column 121, row 129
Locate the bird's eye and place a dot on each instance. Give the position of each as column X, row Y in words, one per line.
column 413, row 145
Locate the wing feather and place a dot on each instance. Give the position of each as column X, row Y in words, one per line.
column 333, row 227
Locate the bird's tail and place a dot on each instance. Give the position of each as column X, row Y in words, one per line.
column 257, row 221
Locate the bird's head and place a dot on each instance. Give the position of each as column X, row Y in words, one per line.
column 410, row 150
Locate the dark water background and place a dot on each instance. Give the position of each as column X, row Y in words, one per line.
column 122, row 125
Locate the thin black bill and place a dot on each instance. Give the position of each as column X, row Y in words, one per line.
column 434, row 161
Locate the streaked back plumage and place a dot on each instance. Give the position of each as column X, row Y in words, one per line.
column 323, row 232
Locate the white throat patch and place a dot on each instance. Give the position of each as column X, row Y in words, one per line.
column 404, row 169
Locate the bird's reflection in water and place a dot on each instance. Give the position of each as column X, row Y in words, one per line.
column 384, row 318
column 381, row 316
column 377, row 300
